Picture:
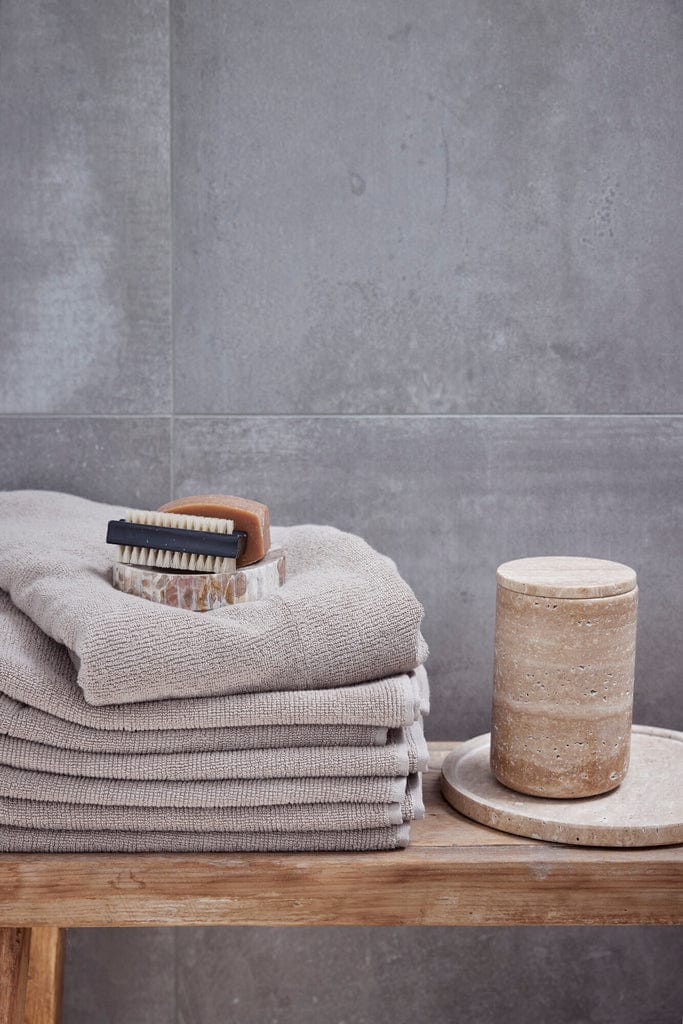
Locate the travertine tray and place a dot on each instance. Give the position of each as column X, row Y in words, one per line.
column 201, row 592
column 645, row 810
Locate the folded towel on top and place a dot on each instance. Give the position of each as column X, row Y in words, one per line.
column 344, row 615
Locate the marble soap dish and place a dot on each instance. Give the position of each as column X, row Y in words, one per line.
column 202, row 592
column 645, row 810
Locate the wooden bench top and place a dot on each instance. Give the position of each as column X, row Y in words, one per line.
column 454, row 872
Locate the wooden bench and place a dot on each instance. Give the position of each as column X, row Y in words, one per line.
column 454, row 872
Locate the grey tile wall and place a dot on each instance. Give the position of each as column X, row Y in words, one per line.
column 482, row 975
column 123, row 460
column 361, row 975
column 427, row 207
column 120, row 976
column 398, row 235
column 85, row 259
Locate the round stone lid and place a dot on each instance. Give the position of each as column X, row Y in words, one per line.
column 560, row 576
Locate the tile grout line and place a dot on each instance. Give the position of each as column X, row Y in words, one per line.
column 335, row 415
column 171, row 261
column 171, row 436
column 424, row 415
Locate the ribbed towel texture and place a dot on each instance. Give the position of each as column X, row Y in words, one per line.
column 294, row 723
column 33, row 840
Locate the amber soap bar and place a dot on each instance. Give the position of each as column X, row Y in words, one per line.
column 251, row 516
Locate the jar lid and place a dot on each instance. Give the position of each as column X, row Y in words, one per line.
column 560, row 576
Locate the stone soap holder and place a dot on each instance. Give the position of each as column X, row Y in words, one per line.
column 202, row 592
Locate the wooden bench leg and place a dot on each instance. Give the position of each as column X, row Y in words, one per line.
column 45, row 977
column 14, row 953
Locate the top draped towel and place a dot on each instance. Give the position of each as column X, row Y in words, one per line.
column 343, row 616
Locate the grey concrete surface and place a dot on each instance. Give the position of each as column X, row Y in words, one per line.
column 427, row 207
column 122, row 460
column 478, row 975
column 389, row 208
column 84, row 164
column 369, row 975
column 122, row 976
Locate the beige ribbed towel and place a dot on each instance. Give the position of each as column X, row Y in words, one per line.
column 26, row 723
column 33, row 785
column 32, row 840
column 278, row 818
column 343, row 616
column 36, row 671
column 294, row 818
column 405, row 753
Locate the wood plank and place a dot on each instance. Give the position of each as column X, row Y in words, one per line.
column 14, row 952
column 460, row 885
column 45, row 977
column 453, row 872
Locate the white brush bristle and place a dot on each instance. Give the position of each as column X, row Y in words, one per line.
column 181, row 561
column 208, row 524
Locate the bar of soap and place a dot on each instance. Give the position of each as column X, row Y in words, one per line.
column 202, row 592
column 251, row 516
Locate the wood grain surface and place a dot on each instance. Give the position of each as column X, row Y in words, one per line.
column 45, row 977
column 14, row 952
column 454, row 872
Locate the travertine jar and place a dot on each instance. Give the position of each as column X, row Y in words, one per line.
column 563, row 675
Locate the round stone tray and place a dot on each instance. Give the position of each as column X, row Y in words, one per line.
column 199, row 591
column 645, row 810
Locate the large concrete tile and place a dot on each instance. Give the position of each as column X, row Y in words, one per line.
column 441, row 207
column 399, row 976
column 451, row 498
column 85, row 207
column 121, row 460
column 119, row 976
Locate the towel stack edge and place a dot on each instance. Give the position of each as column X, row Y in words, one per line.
column 289, row 725
column 78, row 778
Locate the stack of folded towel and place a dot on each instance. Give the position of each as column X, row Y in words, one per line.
column 293, row 723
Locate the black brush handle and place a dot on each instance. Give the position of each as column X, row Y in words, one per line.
column 168, row 538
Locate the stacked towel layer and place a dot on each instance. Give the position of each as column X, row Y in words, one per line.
column 271, row 751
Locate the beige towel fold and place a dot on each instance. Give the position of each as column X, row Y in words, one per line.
column 26, row 723
column 37, row 672
column 344, row 615
column 33, row 785
column 32, row 840
column 405, row 753
column 287, row 818
column 412, row 804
